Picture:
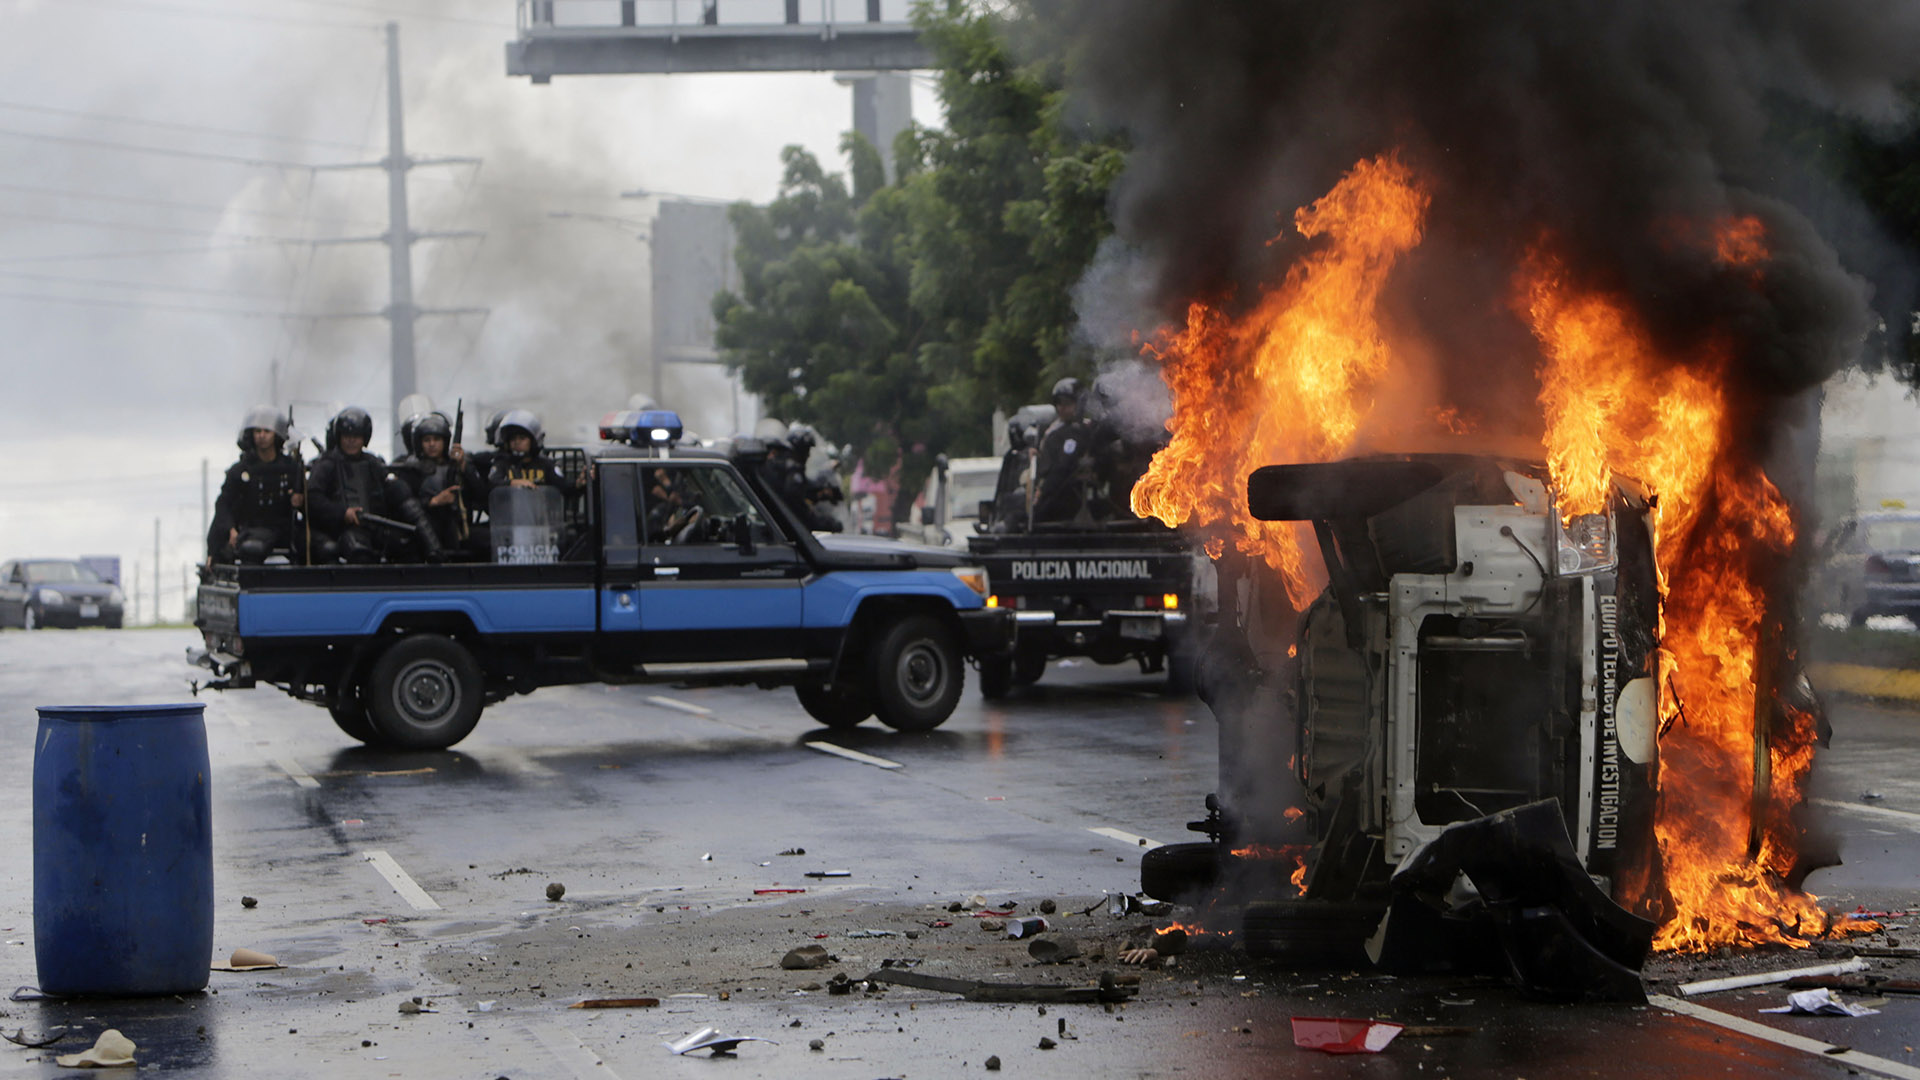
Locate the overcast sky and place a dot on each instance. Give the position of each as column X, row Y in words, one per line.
column 141, row 291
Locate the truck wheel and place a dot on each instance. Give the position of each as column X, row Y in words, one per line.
column 1174, row 872
column 840, row 708
column 349, row 714
column 28, row 620
column 917, row 675
column 1309, row 931
column 424, row 693
column 1028, row 666
column 996, row 677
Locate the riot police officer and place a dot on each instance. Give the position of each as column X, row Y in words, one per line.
column 521, row 460
column 435, row 471
column 349, row 487
column 254, row 514
column 1065, row 452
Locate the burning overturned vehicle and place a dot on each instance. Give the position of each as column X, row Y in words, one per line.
column 1476, row 737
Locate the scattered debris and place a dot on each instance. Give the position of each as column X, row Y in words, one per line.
column 806, row 958
column 902, row 962
column 993, row 1063
column 111, row 1050
column 1109, row 991
column 872, row 933
column 19, row 1038
column 776, row 892
column 1875, row 984
column 828, row 873
column 556, row 890
column 1053, row 950
column 710, row 1039
column 249, row 902
column 817, row 1044
column 1895, row 954
column 993, row 926
column 416, row 1006
column 795, row 851
column 1046, row 1043
column 1820, row 1002
column 1871, row 796
column 1741, row 982
column 249, row 960
column 383, row 920
column 1343, row 1035
column 1027, row 927
column 1048, row 907
column 1436, row 1031
column 484, row 1006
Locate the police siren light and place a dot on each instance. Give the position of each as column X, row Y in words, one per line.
column 651, row 427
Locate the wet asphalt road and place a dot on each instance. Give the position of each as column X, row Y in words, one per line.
column 663, row 810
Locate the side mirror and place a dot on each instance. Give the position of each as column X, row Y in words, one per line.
column 743, row 534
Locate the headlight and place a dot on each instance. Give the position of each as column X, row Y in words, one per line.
column 1585, row 543
column 116, row 597
column 52, row 597
column 973, row 577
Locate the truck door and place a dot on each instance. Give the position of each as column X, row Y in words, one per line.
column 620, row 574
column 718, row 582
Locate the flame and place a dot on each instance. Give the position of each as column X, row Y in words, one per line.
column 1297, row 377
column 1313, row 342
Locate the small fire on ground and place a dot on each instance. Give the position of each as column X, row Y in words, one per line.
column 1609, row 404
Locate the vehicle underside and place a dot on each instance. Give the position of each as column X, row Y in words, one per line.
column 1448, row 760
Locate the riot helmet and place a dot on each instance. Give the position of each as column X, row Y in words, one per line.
column 493, row 427
column 419, row 427
column 1067, row 389
column 352, row 420
column 263, row 418
column 523, row 421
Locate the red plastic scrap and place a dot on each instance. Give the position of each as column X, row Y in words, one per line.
column 1343, row 1035
column 765, row 892
column 373, row 922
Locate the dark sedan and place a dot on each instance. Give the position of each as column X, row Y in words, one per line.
column 57, row 592
column 1870, row 565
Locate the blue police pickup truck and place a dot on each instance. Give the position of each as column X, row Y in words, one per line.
column 668, row 565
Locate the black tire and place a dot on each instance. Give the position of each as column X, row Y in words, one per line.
column 1309, row 931
column 996, row 677
column 1028, row 666
column 916, row 674
column 841, row 708
column 1175, row 872
column 424, row 693
column 349, row 712
column 29, row 620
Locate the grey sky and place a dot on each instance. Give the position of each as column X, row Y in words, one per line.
column 140, row 291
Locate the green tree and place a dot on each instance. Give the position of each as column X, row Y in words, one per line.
column 899, row 316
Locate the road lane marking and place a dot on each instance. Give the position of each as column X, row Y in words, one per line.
column 1825, row 1051
column 1905, row 817
column 582, row 1061
column 1127, row 838
column 409, row 890
column 855, row 755
column 292, row 768
column 679, row 706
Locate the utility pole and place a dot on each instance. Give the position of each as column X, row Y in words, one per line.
column 400, row 310
column 206, row 522
column 156, row 570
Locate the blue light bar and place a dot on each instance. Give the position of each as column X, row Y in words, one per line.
column 651, row 427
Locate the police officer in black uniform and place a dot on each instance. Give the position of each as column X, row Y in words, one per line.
column 255, row 512
column 815, row 495
column 1065, row 451
column 521, row 460
column 346, row 484
column 435, row 471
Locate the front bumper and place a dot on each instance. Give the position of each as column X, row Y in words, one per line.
column 989, row 631
column 1893, row 597
column 1127, row 630
column 76, row 613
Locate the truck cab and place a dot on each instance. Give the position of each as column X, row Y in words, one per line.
column 683, row 570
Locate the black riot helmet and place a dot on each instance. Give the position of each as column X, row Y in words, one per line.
column 524, row 421
column 422, row 425
column 263, row 418
column 493, row 427
column 352, row 420
column 1067, row 389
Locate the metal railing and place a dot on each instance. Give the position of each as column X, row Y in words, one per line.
column 538, row 15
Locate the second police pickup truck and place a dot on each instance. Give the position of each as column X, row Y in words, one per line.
column 682, row 570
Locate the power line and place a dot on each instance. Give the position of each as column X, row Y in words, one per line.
column 104, row 283
column 168, row 125
column 160, row 151
column 139, row 305
column 85, row 256
column 122, row 226
column 170, row 204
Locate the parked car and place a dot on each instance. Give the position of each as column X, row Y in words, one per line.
column 1870, row 565
column 57, row 592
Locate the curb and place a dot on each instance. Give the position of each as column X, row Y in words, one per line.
column 1859, row 680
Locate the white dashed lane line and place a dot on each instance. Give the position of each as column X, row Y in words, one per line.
column 1126, row 838
column 292, row 768
column 409, row 890
column 679, row 706
column 854, row 755
column 1839, row 1055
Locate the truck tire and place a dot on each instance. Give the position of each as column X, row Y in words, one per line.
column 424, row 693
column 349, row 712
column 1309, row 931
column 996, row 677
column 1175, row 872
column 1028, row 666
column 841, row 708
column 917, row 674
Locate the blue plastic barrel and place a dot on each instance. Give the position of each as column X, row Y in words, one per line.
column 122, row 850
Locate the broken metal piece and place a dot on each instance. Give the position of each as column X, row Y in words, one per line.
column 1110, row 991
column 1343, row 1035
column 710, row 1039
column 19, row 1038
column 1764, row 978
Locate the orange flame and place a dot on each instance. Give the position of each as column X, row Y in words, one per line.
column 1313, row 343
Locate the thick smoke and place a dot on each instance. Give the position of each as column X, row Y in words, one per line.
column 1612, row 128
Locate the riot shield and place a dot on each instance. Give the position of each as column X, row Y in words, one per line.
column 525, row 524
